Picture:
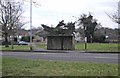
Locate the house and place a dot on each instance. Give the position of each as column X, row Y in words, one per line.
column 78, row 37
column 20, row 33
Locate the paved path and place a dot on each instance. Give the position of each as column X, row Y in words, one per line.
column 71, row 56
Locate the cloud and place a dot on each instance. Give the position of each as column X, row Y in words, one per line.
column 52, row 11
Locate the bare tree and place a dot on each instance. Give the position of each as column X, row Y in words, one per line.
column 116, row 16
column 10, row 18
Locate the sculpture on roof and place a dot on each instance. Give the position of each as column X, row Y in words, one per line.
column 60, row 29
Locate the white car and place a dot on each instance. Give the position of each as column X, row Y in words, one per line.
column 22, row 43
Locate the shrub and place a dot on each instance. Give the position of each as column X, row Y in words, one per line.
column 100, row 38
column 26, row 38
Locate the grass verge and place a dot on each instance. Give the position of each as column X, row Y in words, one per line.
column 0, row 65
column 22, row 67
column 96, row 47
column 100, row 47
column 16, row 47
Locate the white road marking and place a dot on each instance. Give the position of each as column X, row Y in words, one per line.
column 44, row 53
column 107, row 57
column 28, row 53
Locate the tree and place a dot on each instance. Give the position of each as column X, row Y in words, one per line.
column 89, row 25
column 116, row 18
column 10, row 14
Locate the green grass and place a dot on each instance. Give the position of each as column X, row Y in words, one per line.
column 22, row 67
column 0, row 66
column 43, row 46
column 16, row 47
column 107, row 47
column 101, row 47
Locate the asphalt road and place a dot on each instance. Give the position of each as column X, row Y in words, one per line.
column 71, row 56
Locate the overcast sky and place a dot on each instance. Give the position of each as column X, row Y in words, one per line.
column 52, row 11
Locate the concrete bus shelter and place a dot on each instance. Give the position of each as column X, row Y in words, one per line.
column 60, row 43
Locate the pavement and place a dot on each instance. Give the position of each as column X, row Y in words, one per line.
column 66, row 56
column 71, row 51
column 58, row 51
column 38, row 49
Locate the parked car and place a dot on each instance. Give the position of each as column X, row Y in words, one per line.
column 22, row 43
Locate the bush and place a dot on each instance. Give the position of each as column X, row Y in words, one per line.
column 9, row 43
column 3, row 43
column 26, row 38
column 100, row 38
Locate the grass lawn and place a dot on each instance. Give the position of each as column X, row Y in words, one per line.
column 101, row 47
column 107, row 47
column 16, row 47
column 0, row 65
column 42, row 45
column 22, row 67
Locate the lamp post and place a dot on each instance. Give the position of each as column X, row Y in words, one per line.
column 31, row 1
column 31, row 25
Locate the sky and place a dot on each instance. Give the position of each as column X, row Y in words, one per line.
column 50, row 12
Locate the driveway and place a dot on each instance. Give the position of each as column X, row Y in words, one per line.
column 71, row 56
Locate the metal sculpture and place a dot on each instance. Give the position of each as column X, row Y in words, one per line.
column 60, row 29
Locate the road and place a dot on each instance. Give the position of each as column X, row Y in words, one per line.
column 71, row 56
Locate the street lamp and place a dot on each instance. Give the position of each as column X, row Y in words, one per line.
column 31, row 25
column 31, row 1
